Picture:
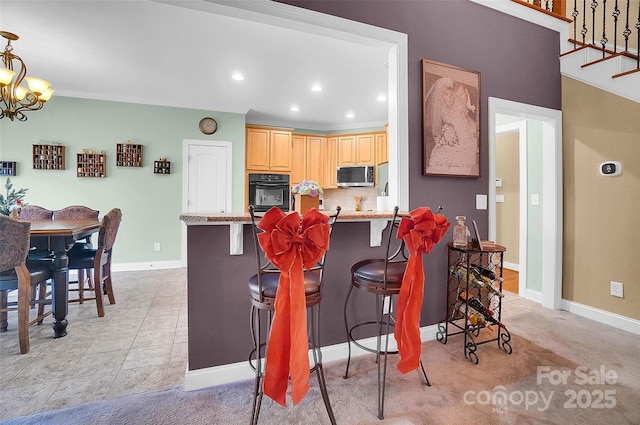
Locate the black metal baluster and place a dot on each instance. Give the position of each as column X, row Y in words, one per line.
column 638, row 40
column 616, row 13
column 594, row 6
column 584, row 22
column 627, row 32
column 604, row 40
column 574, row 15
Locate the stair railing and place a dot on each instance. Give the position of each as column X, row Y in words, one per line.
column 617, row 19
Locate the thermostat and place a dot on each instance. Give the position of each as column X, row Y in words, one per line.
column 610, row 168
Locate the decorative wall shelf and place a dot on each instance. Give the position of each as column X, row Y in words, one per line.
column 92, row 165
column 128, row 155
column 7, row 168
column 48, row 157
column 161, row 167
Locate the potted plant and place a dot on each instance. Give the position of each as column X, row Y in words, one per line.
column 11, row 198
column 306, row 195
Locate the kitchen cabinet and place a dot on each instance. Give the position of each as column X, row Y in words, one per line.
column 315, row 159
column 298, row 156
column 357, row 149
column 269, row 149
column 382, row 148
column 308, row 159
column 331, row 162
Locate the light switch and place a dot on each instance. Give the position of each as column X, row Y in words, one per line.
column 498, row 182
column 499, row 198
column 535, row 199
column 481, row 202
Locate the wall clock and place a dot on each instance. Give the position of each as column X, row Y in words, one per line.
column 208, row 125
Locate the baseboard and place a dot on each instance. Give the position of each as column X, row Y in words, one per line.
column 611, row 319
column 511, row 266
column 236, row 372
column 128, row 267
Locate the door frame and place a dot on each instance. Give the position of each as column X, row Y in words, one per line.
column 551, row 119
column 186, row 143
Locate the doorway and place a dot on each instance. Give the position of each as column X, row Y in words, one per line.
column 206, row 179
column 543, row 220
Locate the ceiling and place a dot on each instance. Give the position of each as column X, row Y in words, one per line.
column 183, row 55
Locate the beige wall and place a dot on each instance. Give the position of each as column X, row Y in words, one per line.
column 508, row 212
column 601, row 214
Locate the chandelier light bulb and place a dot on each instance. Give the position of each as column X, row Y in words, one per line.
column 37, row 85
column 6, row 75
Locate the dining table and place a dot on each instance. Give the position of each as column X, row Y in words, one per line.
column 58, row 236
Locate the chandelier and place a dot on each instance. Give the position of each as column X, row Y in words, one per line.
column 16, row 99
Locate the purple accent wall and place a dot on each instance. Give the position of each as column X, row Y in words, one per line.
column 517, row 60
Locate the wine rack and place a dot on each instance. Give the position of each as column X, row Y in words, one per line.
column 128, row 155
column 91, row 164
column 161, row 167
column 48, row 157
column 474, row 299
column 7, row 168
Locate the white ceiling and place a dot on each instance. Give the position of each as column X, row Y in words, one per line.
column 149, row 52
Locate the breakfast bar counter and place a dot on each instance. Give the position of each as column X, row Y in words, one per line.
column 377, row 220
column 219, row 336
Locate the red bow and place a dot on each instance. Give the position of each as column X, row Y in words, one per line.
column 291, row 245
column 420, row 233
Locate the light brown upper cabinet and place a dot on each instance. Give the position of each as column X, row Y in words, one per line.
column 298, row 153
column 309, row 159
column 357, row 149
column 269, row 149
column 331, row 162
column 315, row 159
column 382, row 148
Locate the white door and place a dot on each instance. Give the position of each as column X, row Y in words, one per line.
column 207, row 177
column 206, row 180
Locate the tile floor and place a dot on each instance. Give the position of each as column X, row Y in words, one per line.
column 139, row 345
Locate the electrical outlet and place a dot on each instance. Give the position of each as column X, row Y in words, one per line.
column 386, row 305
column 617, row 289
column 156, row 246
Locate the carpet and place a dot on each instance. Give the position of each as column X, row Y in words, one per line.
column 501, row 389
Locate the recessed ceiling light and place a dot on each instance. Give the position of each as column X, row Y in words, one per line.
column 237, row 76
column 350, row 115
column 316, row 87
column 381, row 98
column 294, row 109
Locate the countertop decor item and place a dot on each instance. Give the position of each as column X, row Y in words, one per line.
column 307, row 187
column 16, row 99
column 306, row 195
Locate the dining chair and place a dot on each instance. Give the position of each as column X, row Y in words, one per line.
column 14, row 275
column 35, row 212
column 99, row 260
column 302, row 267
column 84, row 276
column 385, row 278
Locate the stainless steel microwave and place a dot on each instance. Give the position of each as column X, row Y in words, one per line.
column 356, row 176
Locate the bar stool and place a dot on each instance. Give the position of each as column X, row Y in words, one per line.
column 395, row 275
column 290, row 254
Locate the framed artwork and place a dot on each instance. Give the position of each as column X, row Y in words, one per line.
column 450, row 120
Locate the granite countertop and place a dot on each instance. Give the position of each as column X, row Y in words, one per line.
column 243, row 217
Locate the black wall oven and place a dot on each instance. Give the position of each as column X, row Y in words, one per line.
column 269, row 190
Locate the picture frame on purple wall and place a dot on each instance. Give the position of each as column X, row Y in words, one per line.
column 450, row 120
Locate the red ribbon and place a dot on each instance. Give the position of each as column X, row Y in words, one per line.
column 291, row 245
column 420, row 233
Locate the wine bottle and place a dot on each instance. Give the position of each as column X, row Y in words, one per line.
column 485, row 272
column 473, row 316
column 460, row 271
column 478, row 306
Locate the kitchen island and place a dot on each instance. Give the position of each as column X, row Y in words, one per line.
column 218, row 300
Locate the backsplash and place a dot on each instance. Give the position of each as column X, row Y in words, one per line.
column 344, row 198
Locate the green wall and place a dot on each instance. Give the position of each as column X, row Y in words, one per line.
column 150, row 204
